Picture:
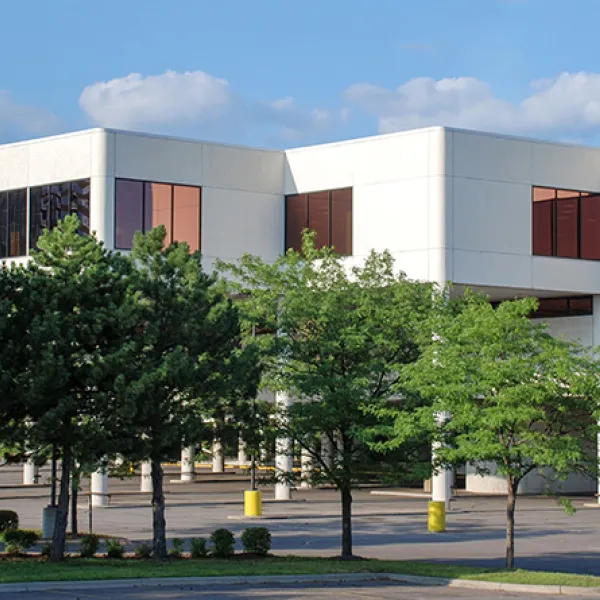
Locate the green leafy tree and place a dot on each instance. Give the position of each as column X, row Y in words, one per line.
column 73, row 348
column 517, row 397
column 188, row 364
column 344, row 336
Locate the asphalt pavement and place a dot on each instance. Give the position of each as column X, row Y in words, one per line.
column 344, row 591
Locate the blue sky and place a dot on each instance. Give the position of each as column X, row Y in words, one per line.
column 280, row 73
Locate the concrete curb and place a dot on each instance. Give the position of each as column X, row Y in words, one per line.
column 160, row 582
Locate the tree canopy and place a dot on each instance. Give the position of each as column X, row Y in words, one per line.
column 340, row 338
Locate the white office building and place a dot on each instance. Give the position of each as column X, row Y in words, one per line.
column 506, row 216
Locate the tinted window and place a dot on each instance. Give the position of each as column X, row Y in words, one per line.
column 567, row 223
column 318, row 217
column 296, row 220
column 128, row 211
column 328, row 213
column 186, row 216
column 590, row 227
column 341, row 221
column 17, row 219
column 50, row 204
column 144, row 205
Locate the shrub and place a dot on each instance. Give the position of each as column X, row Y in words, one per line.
column 199, row 547
column 114, row 549
column 19, row 540
column 144, row 551
column 46, row 549
column 222, row 543
column 89, row 545
column 9, row 519
column 257, row 540
column 177, row 549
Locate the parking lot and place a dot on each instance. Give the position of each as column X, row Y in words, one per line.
column 388, row 527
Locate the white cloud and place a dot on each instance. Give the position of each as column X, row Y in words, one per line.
column 567, row 104
column 17, row 120
column 194, row 102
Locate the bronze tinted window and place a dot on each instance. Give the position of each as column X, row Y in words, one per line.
column 563, row 307
column 590, row 226
column 186, row 216
column 318, row 217
column 341, row 221
column 146, row 205
column 159, row 203
column 328, row 213
column 296, row 220
column 543, row 221
column 567, row 223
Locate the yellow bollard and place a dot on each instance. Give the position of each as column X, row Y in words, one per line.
column 252, row 504
column 436, row 513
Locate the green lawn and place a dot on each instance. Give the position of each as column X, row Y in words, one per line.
column 87, row 569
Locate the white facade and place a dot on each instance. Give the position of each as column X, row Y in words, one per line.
column 450, row 205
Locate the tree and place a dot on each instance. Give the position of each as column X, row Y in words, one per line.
column 187, row 366
column 73, row 349
column 341, row 337
column 517, row 396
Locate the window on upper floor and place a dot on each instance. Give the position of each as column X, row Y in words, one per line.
column 328, row 213
column 566, row 223
column 49, row 204
column 570, row 306
column 143, row 205
column 13, row 223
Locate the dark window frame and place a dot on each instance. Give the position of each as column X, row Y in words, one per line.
column 8, row 220
column 144, row 183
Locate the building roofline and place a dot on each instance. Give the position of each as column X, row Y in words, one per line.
column 137, row 134
column 358, row 140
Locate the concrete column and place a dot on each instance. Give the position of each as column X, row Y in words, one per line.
column 327, row 451
column 306, row 462
column 242, row 456
column 441, row 480
column 283, row 453
column 187, row 463
column 218, row 460
column 146, row 479
column 99, row 488
column 31, row 472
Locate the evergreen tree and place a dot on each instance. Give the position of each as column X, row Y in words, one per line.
column 188, row 364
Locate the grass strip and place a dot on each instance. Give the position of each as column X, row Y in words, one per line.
column 78, row 569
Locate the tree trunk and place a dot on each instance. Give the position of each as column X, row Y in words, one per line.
column 510, row 522
column 62, row 511
column 159, row 536
column 74, row 497
column 346, row 493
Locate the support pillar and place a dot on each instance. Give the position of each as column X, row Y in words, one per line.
column 146, row 479
column 99, row 488
column 306, row 462
column 283, row 454
column 242, row 456
column 218, row 460
column 441, row 479
column 187, row 463
column 31, row 472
